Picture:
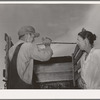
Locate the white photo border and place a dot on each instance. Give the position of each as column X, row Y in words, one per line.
column 49, row 94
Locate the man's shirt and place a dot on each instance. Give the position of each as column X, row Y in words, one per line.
column 25, row 60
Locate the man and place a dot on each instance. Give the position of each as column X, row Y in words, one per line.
column 22, row 56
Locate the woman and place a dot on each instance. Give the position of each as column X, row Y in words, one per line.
column 90, row 61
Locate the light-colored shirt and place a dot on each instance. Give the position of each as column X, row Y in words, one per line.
column 25, row 61
column 90, row 69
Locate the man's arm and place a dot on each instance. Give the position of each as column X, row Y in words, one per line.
column 41, row 54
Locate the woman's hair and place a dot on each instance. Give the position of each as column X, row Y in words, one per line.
column 89, row 35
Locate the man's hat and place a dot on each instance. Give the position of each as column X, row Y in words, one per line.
column 26, row 29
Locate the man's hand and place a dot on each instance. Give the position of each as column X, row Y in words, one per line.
column 46, row 41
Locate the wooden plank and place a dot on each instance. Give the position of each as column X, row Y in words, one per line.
column 77, row 67
column 57, row 67
column 77, row 76
column 49, row 77
column 76, row 50
column 56, row 85
column 76, row 59
column 54, row 72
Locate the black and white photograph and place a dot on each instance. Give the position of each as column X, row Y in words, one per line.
column 50, row 46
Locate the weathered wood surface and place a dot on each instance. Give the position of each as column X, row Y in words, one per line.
column 56, row 69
